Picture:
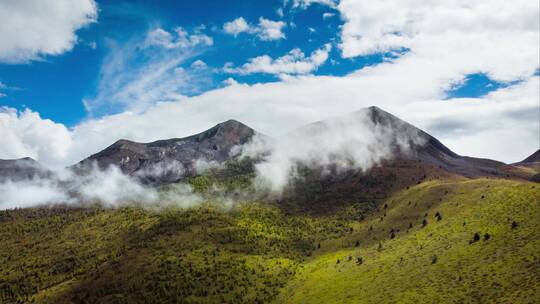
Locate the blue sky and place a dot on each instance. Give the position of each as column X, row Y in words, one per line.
column 55, row 86
column 77, row 75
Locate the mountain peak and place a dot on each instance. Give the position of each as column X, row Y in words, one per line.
column 233, row 126
column 231, row 122
column 230, row 131
column 533, row 158
column 213, row 146
column 380, row 116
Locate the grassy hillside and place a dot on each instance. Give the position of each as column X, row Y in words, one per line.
column 199, row 255
column 437, row 263
column 259, row 253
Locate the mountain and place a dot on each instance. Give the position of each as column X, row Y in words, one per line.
column 169, row 160
column 376, row 211
column 21, row 169
column 532, row 161
column 420, row 146
column 431, row 151
column 531, row 164
column 412, row 156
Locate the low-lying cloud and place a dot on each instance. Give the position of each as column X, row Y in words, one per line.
column 349, row 142
column 109, row 187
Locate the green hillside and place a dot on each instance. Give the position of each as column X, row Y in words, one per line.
column 438, row 263
column 255, row 252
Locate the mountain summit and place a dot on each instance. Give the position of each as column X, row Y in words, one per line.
column 408, row 143
column 532, row 159
column 171, row 159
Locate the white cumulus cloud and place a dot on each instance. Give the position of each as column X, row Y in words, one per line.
column 32, row 29
column 306, row 3
column 266, row 30
column 447, row 38
column 295, row 63
column 26, row 133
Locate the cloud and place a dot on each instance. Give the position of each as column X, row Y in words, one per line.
column 179, row 39
column 271, row 30
column 36, row 192
column 26, row 133
column 328, row 15
column 306, row 3
column 449, row 38
column 266, row 30
column 108, row 187
column 32, row 29
column 349, row 142
column 199, row 64
column 146, row 70
column 499, row 39
column 169, row 170
column 295, row 62
column 238, row 26
column 2, row 87
column 112, row 187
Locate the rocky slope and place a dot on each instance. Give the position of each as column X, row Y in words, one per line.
column 533, row 161
column 170, row 160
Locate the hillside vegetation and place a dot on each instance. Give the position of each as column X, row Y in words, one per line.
column 405, row 259
column 419, row 247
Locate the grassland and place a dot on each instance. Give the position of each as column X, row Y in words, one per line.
column 438, row 263
column 256, row 252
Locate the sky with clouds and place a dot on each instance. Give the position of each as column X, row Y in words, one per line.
column 77, row 75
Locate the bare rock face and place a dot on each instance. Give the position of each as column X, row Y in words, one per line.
column 170, row 160
column 21, row 169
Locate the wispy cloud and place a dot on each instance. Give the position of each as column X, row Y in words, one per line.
column 306, row 3
column 147, row 70
column 2, row 87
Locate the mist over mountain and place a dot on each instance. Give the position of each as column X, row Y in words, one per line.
column 21, row 169
column 363, row 156
column 357, row 141
column 230, row 215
